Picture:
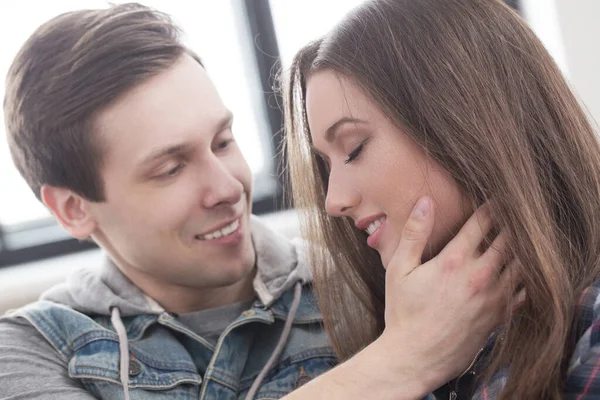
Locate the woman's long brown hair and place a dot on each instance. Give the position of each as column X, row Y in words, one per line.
column 472, row 85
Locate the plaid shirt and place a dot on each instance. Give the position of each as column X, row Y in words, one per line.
column 583, row 373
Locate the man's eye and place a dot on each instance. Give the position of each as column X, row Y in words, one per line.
column 224, row 144
column 173, row 171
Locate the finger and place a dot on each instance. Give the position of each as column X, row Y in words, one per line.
column 511, row 276
column 496, row 254
column 512, row 303
column 517, row 302
column 415, row 237
column 519, row 298
column 474, row 230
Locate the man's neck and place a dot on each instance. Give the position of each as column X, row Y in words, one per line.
column 182, row 299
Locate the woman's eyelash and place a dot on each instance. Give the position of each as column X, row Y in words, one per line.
column 355, row 153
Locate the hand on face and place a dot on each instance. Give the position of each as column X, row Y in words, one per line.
column 444, row 310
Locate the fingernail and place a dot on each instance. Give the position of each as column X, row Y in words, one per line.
column 422, row 208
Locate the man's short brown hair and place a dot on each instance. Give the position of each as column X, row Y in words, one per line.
column 71, row 68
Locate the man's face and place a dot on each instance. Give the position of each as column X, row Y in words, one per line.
column 178, row 190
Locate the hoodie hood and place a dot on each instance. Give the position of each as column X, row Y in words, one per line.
column 280, row 264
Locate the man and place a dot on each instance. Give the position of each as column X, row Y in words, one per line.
column 118, row 130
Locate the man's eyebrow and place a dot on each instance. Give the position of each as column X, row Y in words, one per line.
column 164, row 152
column 332, row 130
column 184, row 148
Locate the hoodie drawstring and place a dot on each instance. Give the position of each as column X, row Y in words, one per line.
column 124, row 345
column 287, row 328
column 123, row 350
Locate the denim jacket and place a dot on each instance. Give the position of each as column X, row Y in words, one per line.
column 118, row 343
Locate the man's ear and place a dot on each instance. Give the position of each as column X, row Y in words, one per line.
column 71, row 210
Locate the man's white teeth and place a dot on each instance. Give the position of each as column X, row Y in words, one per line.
column 229, row 229
column 375, row 225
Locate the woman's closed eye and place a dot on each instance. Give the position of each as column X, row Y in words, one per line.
column 355, row 153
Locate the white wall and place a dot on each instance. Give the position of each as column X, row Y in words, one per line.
column 570, row 29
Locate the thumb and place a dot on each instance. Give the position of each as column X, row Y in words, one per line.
column 415, row 237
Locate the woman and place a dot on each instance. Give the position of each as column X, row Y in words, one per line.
column 456, row 100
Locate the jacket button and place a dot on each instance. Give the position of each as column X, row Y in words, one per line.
column 134, row 368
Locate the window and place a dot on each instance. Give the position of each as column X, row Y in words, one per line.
column 299, row 22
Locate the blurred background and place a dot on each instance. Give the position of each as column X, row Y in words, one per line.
column 243, row 43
